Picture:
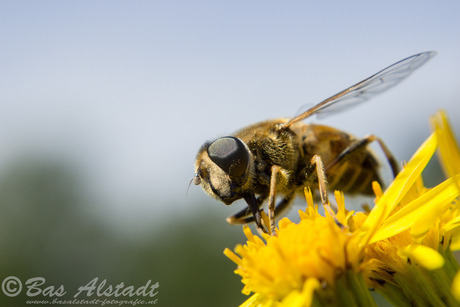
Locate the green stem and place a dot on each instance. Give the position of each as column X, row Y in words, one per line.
column 349, row 290
column 394, row 294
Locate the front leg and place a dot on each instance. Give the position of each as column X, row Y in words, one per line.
column 317, row 162
column 253, row 206
column 246, row 215
column 242, row 217
column 271, row 197
column 322, row 184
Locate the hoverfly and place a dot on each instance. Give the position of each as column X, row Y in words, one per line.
column 282, row 156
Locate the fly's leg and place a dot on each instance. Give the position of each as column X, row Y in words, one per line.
column 271, row 198
column 245, row 216
column 242, row 217
column 359, row 144
column 317, row 162
column 253, row 205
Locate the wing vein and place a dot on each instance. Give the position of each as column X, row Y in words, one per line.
column 367, row 88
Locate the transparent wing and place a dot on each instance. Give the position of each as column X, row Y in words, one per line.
column 366, row 89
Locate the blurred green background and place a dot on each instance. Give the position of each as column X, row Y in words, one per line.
column 47, row 232
column 103, row 106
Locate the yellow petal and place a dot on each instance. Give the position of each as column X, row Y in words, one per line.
column 284, row 222
column 233, row 257
column 455, row 240
column 423, row 255
column 303, row 298
column 427, row 207
column 452, row 224
column 308, row 290
column 448, row 148
column 398, row 188
column 341, row 214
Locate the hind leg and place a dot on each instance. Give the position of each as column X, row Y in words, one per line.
column 360, row 144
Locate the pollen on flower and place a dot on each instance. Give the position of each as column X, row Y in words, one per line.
column 315, row 251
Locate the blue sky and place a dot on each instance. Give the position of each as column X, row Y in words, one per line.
column 129, row 90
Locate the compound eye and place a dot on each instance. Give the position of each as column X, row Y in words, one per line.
column 230, row 154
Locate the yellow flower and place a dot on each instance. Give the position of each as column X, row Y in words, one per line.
column 402, row 248
column 314, row 254
column 418, row 229
column 413, row 243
